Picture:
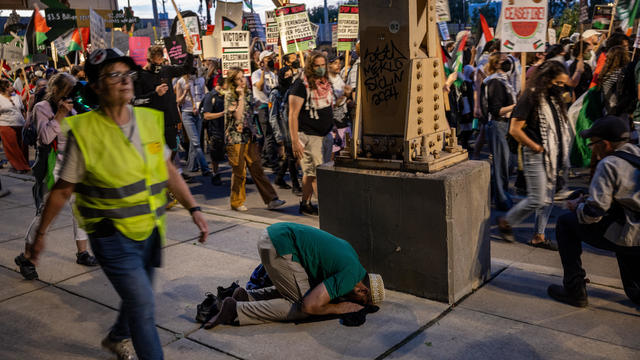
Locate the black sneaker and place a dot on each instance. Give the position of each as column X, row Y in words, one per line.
column 215, row 180
column 207, row 309
column 84, row 258
column 307, row 209
column 27, row 269
column 297, row 191
column 224, row 293
column 576, row 297
column 282, row 184
column 188, row 179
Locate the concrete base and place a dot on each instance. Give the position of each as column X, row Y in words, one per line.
column 426, row 234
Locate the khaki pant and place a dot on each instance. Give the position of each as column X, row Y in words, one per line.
column 281, row 302
column 312, row 156
column 240, row 156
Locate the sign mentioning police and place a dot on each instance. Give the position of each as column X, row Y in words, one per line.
column 524, row 25
column 347, row 27
column 295, row 29
column 235, row 51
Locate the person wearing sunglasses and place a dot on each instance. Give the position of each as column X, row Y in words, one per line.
column 119, row 167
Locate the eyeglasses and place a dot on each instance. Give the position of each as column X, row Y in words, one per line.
column 116, row 77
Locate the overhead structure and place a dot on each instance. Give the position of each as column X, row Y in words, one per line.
column 401, row 123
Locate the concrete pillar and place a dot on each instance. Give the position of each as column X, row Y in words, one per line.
column 426, row 234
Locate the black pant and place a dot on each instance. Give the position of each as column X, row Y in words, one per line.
column 269, row 146
column 289, row 163
column 570, row 234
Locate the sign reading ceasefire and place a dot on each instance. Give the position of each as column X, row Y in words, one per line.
column 524, row 25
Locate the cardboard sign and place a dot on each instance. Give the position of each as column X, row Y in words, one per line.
column 334, row 35
column 584, row 12
column 12, row 53
column 442, row 11
column 121, row 41
column 566, row 30
column 444, row 31
column 176, row 49
column 602, row 16
column 98, row 32
column 164, row 28
column 235, row 51
column 62, row 43
column 138, row 47
column 255, row 26
column 524, row 25
column 551, row 35
column 273, row 32
column 347, row 27
column 191, row 22
column 232, row 14
column 295, row 29
column 208, row 47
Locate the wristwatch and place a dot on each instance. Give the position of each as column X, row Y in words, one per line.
column 194, row 209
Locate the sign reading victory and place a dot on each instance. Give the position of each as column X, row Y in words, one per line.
column 235, row 51
column 295, row 29
column 524, row 25
column 272, row 28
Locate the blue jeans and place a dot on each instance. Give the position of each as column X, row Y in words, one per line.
column 128, row 265
column 497, row 132
column 193, row 126
column 539, row 199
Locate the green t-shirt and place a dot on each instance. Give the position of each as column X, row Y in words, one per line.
column 326, row 258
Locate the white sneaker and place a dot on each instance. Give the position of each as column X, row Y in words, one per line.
column 562, row 194
column 122, row 349
column 240, row 208
column 274, row 204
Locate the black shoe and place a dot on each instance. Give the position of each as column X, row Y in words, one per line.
column 215, row 180
column 27, row 269
column 297, row 191
column 224, row 293
column 84, row 258
column 188, row 179
column 207, row 173
column 207, row 309
column 308, row 209
column 576, row 297
column 282, row 184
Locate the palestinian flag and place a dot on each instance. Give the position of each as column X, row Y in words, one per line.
column 228, row 24
column 488, row 36
column 79, row 39
column 36, row 34
column 590, row 111
column 445, row 61
column 626, row 12
column 248, row 4
column 458, row 65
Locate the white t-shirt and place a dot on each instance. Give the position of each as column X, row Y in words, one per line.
column 197, row 92
column 338, row 87
column 270, row 82
column 11, row 113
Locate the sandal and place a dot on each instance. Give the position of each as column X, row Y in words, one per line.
column 506, row 232
column 546, row 244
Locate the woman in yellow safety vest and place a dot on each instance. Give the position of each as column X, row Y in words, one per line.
column 119, row 167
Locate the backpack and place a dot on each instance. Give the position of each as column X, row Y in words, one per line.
column 30, row 133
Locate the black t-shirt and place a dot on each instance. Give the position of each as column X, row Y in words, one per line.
column 526, row 109
column 497, row 98
column 306, row 124
column 213, row 102
column 585, row 78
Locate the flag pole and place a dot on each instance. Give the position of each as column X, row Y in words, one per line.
column 613, row 15
column 523, row 75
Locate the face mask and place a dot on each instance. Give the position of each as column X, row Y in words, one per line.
column 320, row 71
column 506, row 66
column 295, row 64
column 556, row 90
column 271, row 64
column 586, row 56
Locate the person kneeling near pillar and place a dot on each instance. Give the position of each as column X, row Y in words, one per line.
column 608, row 218
column 313, row 272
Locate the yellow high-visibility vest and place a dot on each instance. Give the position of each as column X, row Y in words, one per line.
column 120, row 184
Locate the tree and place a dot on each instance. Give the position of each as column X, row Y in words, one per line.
column 571, row 16
column 316, row 14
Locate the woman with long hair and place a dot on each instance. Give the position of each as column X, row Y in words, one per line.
column 541, row 125
column 242, row 150
column 12, row 121
column 609, row 80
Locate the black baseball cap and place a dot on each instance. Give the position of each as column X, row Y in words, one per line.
column 333, row 57
column 100, row 58
column 610, row 127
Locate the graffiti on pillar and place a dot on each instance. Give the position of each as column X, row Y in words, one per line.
column 383, row 71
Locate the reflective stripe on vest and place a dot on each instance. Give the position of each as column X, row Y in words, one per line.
column 120, row 213
column 118, row 193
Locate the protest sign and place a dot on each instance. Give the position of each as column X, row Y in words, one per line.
column 442, row 11
column 566, row 30
column 228, row 16
column 272, row 28
column 255, row 26
column 334, row 35
column 637, row 42
column 524, row 25
column 444, row 31
column 347, row 27
column 193, row 26
column 60, row 18
column 121, row 41
column 12, row 54
column 584, row 12
column 138, row 47
column 235, row 51
column 208, row 47
column 295, row 29
column 98, row 32
column 602, row 16
column 176, row 49
column 164, row 28
column 62, row 43
column 551, row 35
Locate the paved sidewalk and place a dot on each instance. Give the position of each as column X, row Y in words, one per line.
column 68, row 312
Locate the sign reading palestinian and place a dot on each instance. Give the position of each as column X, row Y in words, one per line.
column 602, row 16
column 255, row 25
column 296, row 33
column 273, row 32
column 193, row 26
column 442, row 11
column 347, row 27
column 138, row 47
column 176, row 49
column 98, row 32
column 524, row 25
column 235, row 51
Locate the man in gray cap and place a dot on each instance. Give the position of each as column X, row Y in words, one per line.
column 608, row 217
